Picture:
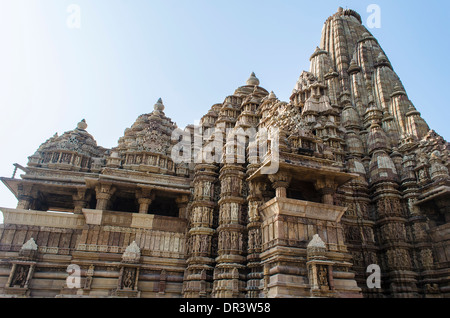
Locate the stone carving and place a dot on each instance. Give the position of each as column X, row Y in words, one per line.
column 128, row 278
column 358, row 168
column 322, row 273
column 132, row 253
column 20, row 276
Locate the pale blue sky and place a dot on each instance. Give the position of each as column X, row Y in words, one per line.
column 192, row 53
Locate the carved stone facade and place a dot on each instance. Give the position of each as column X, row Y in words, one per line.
column 360, row 180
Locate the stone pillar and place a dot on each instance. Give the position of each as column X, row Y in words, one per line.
column 254, row 277
column 326, row 187
column 199, row 272
column 144, row 204
column 104, row 192
column 399, row 280
column 280, row 182
column 358, row 225
column 417, row 226
column 229, row 273
column 182, row 203
column 26, row 196
column 80, row 200
column 145, row 198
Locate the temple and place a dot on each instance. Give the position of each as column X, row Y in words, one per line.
column 360, row 180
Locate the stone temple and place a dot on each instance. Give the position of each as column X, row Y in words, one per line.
column 361, row 187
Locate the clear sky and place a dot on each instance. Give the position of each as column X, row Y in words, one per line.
column 191, row 53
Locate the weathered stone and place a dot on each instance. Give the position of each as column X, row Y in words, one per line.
column 360, row 180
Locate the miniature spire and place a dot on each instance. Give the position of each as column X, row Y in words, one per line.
column 253, row 80
column 316, row 249
column 354, row 67
column 132, row 253
column 382, row 60
column 29, row 249
column 272, row 95
column 82, row 125
column 317, row 242
column 30, row 245
column 159, row 106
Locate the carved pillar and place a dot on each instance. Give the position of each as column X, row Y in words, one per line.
column 280, row 182
column 400, row 280
column 144, row 204
column 182, row 203
column 145, row 198
column 26, row 196
column 255, row 200
column 80, row 200
column 357, row 222
column 104, row 192
column 326, row 187
column 417, row 226
column 229, row 274
column 199, row 272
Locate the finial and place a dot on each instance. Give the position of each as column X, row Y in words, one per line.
column 253, row 80
column 82, row 125
column 272, row 95
column 159, row 106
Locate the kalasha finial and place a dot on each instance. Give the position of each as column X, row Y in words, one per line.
column 272, row 95
column 253, row 80
column 82, row 125
column 159, row 106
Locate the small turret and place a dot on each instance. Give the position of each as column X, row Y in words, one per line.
column 253, row 80
column 159, row 106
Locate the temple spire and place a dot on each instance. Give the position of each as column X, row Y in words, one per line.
column 82, row 125
column 159, row 106
column 253, row 80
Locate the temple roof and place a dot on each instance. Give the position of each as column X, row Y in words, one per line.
column 77, row 140
column 149, row 133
